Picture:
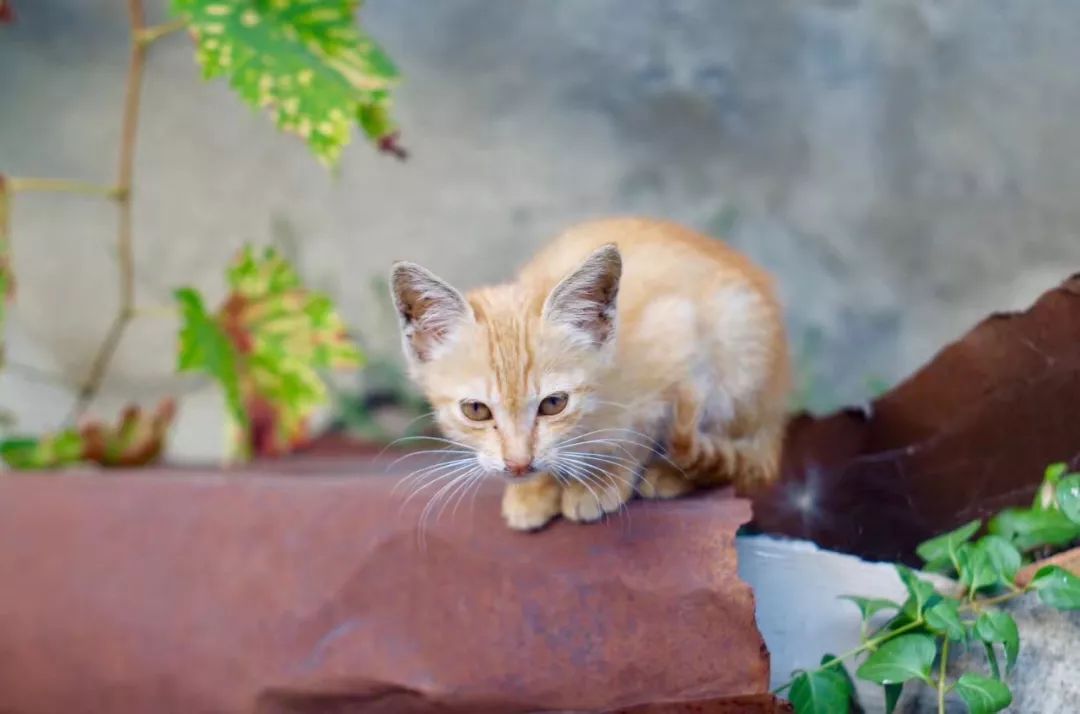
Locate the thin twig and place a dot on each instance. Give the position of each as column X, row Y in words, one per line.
column 27, row 185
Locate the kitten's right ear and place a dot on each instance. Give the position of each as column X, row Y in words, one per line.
column 429, row 309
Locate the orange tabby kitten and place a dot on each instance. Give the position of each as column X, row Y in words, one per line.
column 630, row 355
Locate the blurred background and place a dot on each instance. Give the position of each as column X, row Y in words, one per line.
column 902, row 166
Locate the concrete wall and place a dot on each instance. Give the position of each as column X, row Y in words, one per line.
column 904, row 166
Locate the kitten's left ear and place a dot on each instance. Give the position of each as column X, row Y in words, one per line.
column 585, row 299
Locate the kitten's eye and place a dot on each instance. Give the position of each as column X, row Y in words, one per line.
column 474, row 410
column 553, row 404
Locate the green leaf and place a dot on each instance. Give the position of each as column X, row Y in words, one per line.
column 306, row 61
column 825, row 691
column 64, row 448
column 1044, row 497
column 897, row 661
column 976, row 570
column 995, row 626
column 1028, row 529
column 204, row 347
column 892, row 696
column 1068, row 497
column 944, row 618
column 920, row 591
column 943, row 547
column 1004, row 557
column 982, row 694
column 868, row 607
column 1057, row 587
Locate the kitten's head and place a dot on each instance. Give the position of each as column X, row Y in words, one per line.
column 510, row 373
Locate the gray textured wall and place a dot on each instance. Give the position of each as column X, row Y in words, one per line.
column 903, row 165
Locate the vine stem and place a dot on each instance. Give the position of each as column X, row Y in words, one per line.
column 941, row 676
column 149, row 35
column 868, row 645
column 141, row 38
column 978, row 605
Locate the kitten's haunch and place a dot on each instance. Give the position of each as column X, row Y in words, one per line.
column 630, row 355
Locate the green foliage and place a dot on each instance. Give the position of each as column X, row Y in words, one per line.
column 868, row 607
column 1053, row 519
column 822, row 691
column 306, row 61
column 943, row 549
column 204, row 347
column 993, row 627
column 983, row 695
column 1057, row 587
column 1068, row 497
column 266, row 345
column 915, row 642
column 943, row 618
column 898, row 660
column 64, row 448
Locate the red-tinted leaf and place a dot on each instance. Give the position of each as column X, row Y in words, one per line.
column 7, row 15
column 138, row 439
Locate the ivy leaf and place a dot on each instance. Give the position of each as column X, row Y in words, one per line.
column 897, row 661
column 982, row 694
column 1068, row 497
column 943, row 547
column 892, row 696
column 944, row 618
column 1028, row 529
column 825, row 691
column 976, row 570
column 1057, row 587
column 920, row 591
column 306, row 61
column 994, row 626
column 1004, row 557
column 868, row 607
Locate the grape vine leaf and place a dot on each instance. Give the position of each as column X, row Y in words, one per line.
column 266, row 345
column 306, row 61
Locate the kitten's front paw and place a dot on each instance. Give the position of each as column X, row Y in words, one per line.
column 586, row 506
column 530, row 505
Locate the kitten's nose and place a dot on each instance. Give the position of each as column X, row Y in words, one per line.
column 518, row 468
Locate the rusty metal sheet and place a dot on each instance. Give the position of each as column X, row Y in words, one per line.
column 965, row 436
column 203, row 592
